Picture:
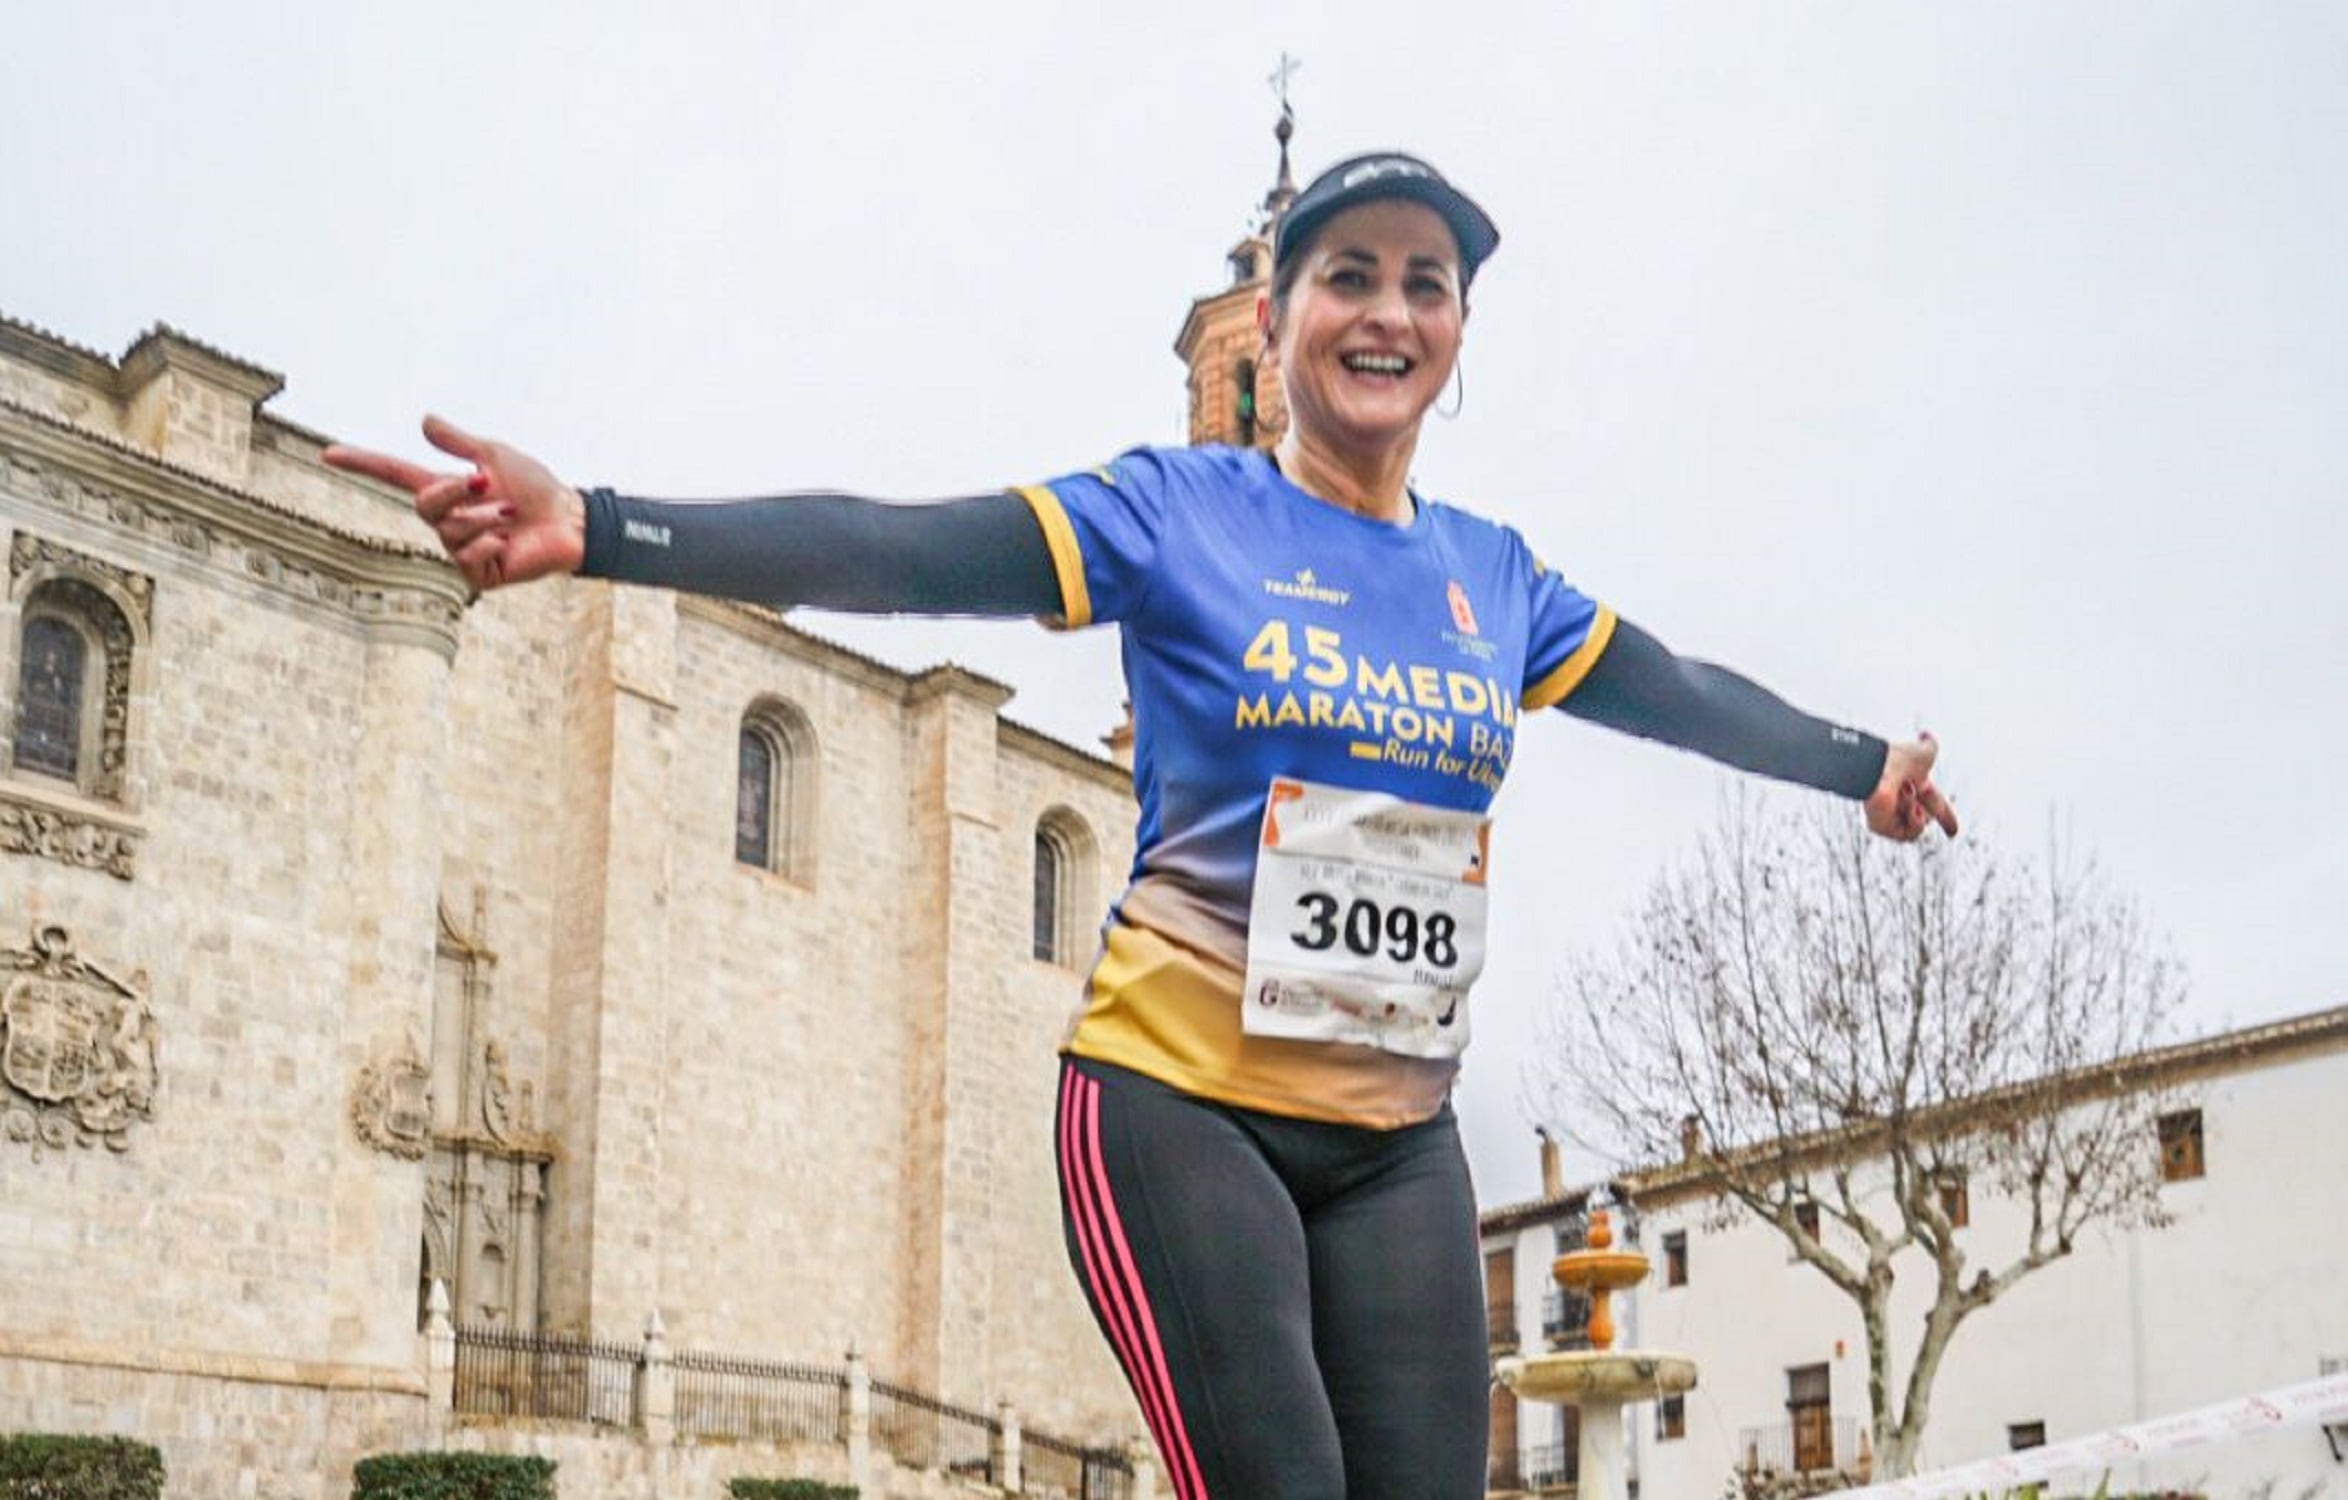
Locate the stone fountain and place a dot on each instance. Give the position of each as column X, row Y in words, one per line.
column 1601, row 1380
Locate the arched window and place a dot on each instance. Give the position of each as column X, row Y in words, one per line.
column 1063, row 892
column 774, row 791
column 754, row 798
column 1050, row 862
column 71, row 712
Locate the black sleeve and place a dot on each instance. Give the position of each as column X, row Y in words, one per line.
column 984, row 555
column 1639, row 687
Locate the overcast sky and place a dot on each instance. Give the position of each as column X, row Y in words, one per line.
column 1978, row 367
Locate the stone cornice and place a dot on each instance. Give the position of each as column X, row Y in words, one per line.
column 1102, row 772
column 163, row 347
column 1203, row 310
column 388, row 588
column 938, row 681
column 769, row 627
column 255, row 1369
column 43, row 350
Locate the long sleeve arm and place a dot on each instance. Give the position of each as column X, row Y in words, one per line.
column 982, row 555
column 1639, row 687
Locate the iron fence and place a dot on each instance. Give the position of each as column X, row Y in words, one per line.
column 721, row 1396
column 1053, row 1468
column 922, row 1432
column 501, row 1373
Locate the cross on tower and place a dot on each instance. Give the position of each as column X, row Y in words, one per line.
column 1280, row 77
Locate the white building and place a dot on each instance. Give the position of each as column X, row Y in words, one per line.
column 2245, row 1289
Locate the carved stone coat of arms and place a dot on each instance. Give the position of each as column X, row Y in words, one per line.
column 77, row 1047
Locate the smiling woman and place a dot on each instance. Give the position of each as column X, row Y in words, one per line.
column 1262, row 1187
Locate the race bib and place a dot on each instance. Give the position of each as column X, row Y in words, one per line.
column 1368, row 920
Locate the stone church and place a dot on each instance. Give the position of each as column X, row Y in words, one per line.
column 594, row 953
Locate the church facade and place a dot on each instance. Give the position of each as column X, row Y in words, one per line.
column 590, row 951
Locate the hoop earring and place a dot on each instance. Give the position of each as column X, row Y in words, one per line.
column 1459, row 389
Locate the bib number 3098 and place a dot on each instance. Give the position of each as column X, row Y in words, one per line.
column 1400, row 931
column 1368, row 920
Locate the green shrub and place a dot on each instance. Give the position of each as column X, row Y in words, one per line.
column 45, row 1466
column 744, row 1487
column 453, row 1476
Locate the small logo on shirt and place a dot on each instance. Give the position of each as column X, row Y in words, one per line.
column 645, row 532
column 1461, row 615
column 1305, row 586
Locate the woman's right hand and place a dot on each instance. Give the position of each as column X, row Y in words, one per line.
column 507, row 521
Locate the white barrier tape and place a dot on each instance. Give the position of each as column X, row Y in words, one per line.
column 2324, row 1400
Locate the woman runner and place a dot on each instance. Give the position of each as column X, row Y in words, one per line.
column 1262, row 1184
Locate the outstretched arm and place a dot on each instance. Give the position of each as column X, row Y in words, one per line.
column 509, row 519
column 1639, row 687
column 984, row 555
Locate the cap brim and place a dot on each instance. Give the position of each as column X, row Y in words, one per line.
column 1470, row 226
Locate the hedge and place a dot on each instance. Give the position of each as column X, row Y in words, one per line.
column 746, row 1488
column 453, row 1476
column 48, row 1466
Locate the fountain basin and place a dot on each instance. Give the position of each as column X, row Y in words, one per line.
column 1597, row 1376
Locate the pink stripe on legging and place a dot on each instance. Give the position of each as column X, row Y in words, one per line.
column 1180, row 1460
column 1107, row 1295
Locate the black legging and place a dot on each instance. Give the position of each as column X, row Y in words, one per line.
column 1298, row 1305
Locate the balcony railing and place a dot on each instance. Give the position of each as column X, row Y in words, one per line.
column 1802, row 1445
column 1500, row 1322
column 1553, row 1466
column 1565, row 1319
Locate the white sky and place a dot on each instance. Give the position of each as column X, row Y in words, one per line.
column 1963, row 366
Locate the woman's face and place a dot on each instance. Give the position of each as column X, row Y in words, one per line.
column 1367, row 336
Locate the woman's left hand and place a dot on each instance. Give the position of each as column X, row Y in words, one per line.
column 1905, row 800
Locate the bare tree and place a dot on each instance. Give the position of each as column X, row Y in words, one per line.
column 1802, row 1014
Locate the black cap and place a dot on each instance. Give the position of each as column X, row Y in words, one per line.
column 1386, row 174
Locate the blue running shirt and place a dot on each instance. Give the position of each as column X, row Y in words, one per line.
column 1268, row 633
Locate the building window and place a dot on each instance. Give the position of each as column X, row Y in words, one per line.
column 1956, row 1197
column 1675, row 1258
column 1064, row 857
column 754, row 799
column 2180, row 1146
column 774, row 791
column 72, row 711
column 2021, row 1435
column 1500, row 1296
column 1049, row 863
column 1671, row 1419
column 1809, row 1409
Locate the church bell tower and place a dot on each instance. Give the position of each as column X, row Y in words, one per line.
column 1234, row 395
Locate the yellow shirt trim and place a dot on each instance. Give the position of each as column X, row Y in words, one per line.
column 1067, row 561
column 1568, row 674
